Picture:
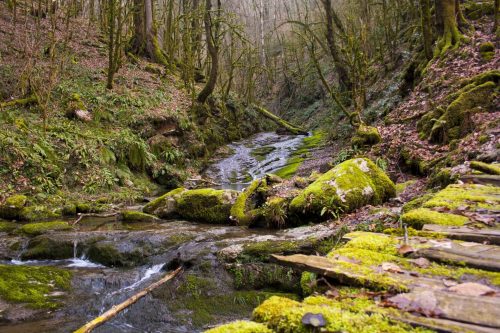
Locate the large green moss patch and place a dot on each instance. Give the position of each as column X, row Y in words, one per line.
column 32, row 285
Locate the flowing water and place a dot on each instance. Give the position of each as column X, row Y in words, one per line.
column 96, row 288
column 252, row 158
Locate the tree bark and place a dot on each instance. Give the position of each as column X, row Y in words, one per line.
column 213, row 50
column 497, row 18
column 425, row 14
column 342, row 72
column 451, row 36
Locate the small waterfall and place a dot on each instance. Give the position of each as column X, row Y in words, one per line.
column 155, row 269
column 82, row 261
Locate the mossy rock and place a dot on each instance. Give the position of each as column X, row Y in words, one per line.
column 8, row 227
column 456, row 122
column 490, row 169
column 33, row 285
column 164, row 206
column 39, row 212
column 35, row 229
column 241, row 327
column 487, row 50
column 417, row 218
column 366, row 136
column 135, row 216
column 473, row 196
column 349, row 315
column 206, row 205
column 13, row 206
column 45, row 248
column 413, row 162
column 416, row 202
column 443, row 178
column 108, row 254
column 245, row 209
column 350, row 185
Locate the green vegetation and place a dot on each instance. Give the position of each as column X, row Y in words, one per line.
column 241, row 327
column 33, row 285
column 418, row 217
column 298, row 156
column 244, row 210
column 35, row 229
column 491, row 169
column 8, row 226
column 285, row 315
column 206, row 205
column 348, row 186
column 366, row 136
column 135, row 216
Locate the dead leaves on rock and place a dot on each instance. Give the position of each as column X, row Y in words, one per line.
column 424, row 303
column 472, row 289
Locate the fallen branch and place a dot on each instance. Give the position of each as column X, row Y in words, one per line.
column 280, row 122
column 88, row 327
column 81, row 216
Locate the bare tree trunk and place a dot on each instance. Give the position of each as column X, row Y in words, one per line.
column 497, row 18
column 213, row 50
column 344, row 80
column 425, row 13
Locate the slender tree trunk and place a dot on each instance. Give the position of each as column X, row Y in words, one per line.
column 111, row 43
column 139, row 40
column 425, row 13
column 213, row 51
column 497, row 19
column 343, row 73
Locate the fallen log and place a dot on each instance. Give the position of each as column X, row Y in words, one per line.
column 81, row 216
column 280, row 122
column 88, row 327
column 474, row 260
column 490, row 236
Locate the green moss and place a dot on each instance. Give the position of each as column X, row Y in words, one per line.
column 295, row 160
column 206, row 205
column 285, row 316
column 135, row 216
column 414, row 162
column 12, row 207
column 308, row 283
column 442, row 178
column 32, row 285
column 456, row 122
column 348, row 186
column 372, row 241
column 281, row 122
column 243, row 210
column 470, row 195
column 491, row 169
column 366, row 136
column 418, row 217
column 261, row 251
column 487, row 50
column 401, row 187
column 108, row 255
column 416, row 203
column 38, row 212
column 45, row 248
column 34, row 229
column 7, row 226
column 158, row 205
column 241, row 327
column 260, row 153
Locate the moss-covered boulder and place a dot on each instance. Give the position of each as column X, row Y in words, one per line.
column 35, row 229
column 246, row 207
column 487, row 50
column 366, row 136
column 350, row 185
column 135, row 216
column 164, row 206
column 241, row 327
column 206, row 205
column 453, row 119
column 46, row 248
column 13, row 206
column 201, row 205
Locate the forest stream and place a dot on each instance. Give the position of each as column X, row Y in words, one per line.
column 145, row 251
